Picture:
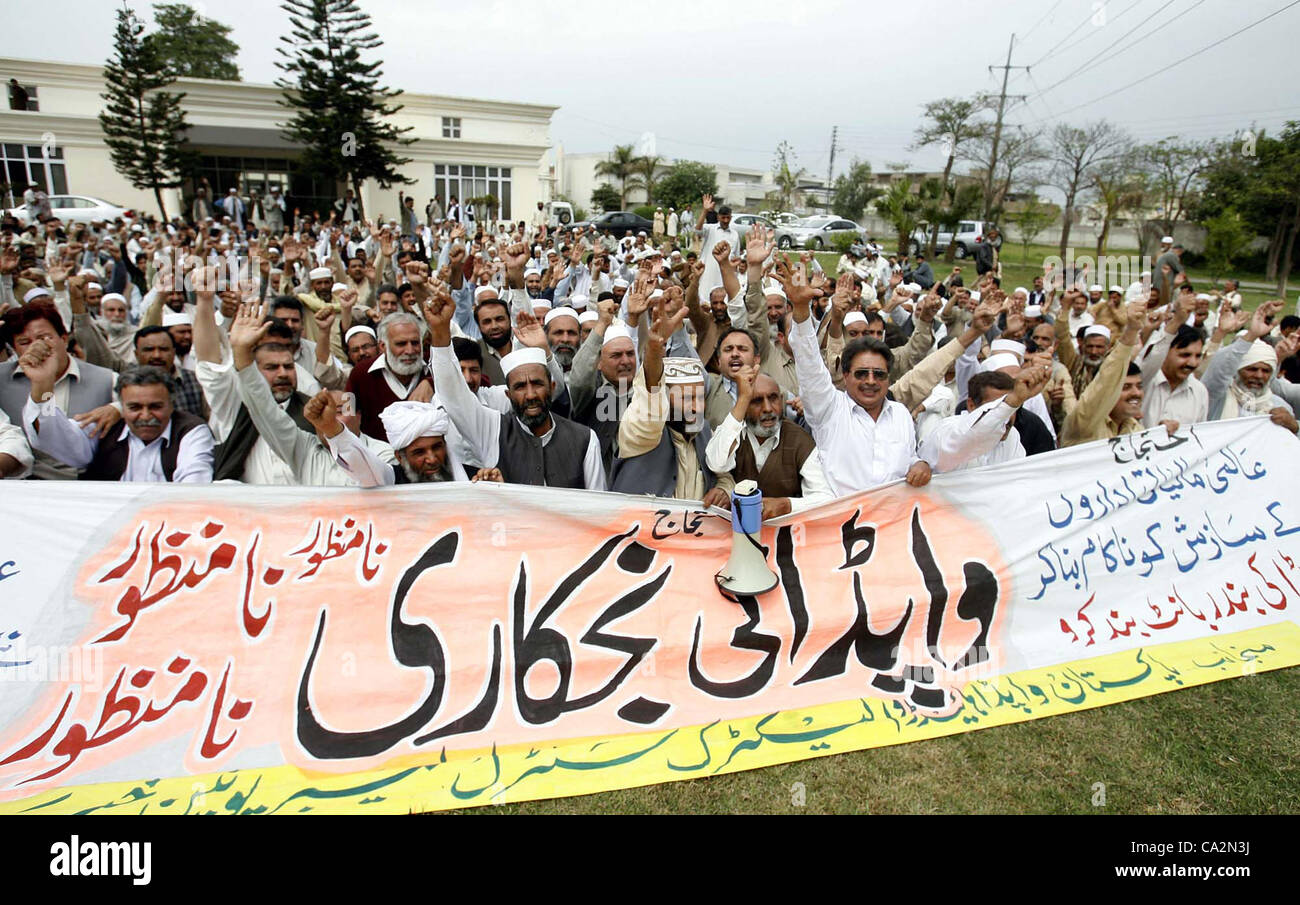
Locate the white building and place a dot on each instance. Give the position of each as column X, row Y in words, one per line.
column 575, row 177
column 464, row 147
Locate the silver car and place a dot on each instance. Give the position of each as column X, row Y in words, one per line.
column 78, row 209
column 817, row 232
column 743, row 223
column 968, row 234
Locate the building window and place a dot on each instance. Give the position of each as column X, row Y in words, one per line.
column 247, row 173
column 486, row 188
column 26, row 165
column 450, row 127
column 24, row 98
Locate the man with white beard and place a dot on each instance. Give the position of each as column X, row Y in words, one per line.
column 396, row 374
column 421, row 435
column 113, row 324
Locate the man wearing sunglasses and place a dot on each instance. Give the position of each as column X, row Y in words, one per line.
column 865, row 438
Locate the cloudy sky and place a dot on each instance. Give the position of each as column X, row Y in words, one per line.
column 728, row 82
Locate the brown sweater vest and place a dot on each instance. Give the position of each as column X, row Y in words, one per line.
column 780, row 474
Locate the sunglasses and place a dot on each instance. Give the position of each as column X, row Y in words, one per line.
column 876, row 374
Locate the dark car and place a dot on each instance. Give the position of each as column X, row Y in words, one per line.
column 620, row 222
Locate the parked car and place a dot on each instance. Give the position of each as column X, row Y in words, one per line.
column 967, row 235
column 742, row 223
column 78, row 209
column 817, row 232
column 558, row 214
column 620, row 222
column 784, row 218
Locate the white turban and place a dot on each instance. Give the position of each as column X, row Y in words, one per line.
column 620, row 283
column 1021, row 290
column 1008, row 346
column 1000, row 361
column 540, row 303
column 339, row 287
column 1259, row 353
column 1095, row 287
column 90, row 286
column 406, row 422
column 975, row 295
column 320, row 273
column 520, row 357
column 1118, row 290
column 562, row 311
column 1035, row 311
column 532, row 272
column 682, row 370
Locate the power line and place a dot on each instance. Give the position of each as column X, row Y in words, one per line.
column 1107, row 51
column 1180, row 61
column 1026, row 35
column 1068, row 35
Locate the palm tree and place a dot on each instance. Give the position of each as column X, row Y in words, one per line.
column 899, row 206
column 643, row 175
column 785, row 177
column 621, row 165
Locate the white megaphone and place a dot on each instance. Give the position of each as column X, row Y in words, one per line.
column 746, row 572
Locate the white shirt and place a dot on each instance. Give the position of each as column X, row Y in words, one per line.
column 712, row 276
column 1188, row 404
column 262, row 466
column 481, row 426
column 13, row 442
column 61, row 437
column 972, row 439
column 400, row 390
column 720, row 456
column 857, row 451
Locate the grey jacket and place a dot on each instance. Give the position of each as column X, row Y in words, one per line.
column 93, row 389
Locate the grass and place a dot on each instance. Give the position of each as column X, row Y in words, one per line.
column 1019, row 269
column 1230, row 747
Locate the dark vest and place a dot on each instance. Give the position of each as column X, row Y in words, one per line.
column 523, row 460
column 780, row 474
column 604, row 403
column 655, row 472
column 228, row 460
column 114, row 452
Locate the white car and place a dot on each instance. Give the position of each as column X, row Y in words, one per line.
column 817, row 232
column 78, row 209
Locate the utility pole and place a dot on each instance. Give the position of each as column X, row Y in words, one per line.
column 997, row 128
column 830, row 173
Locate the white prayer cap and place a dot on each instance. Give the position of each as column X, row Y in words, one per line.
column 93, row 285
column 775, row 288
column 483, row 290
column 975, row 295
column 641, row 234
column 1145, row 273
column 174, row 318
column 1000, row 361
column 940, row 398
column 1008, row 345
column 359, row 328
column 562, row 311
column 540, row 303
column 914, row 288
column 521, row 357
column 682, row 370
column 537, row 249
column 621, row 283
column 1167, row 240
column 531, row 272
column 586, row 317
column 88, row 272
column 675, row 254
column 1201, row 296
column 1019, row 290
column 579, row 301
column 1134, row 292
column 113, row 296
column 1034, row 311
column 405, row 422
column 1095, row 287
column 34, row 293
column 657, row 294
column 320, row 273
column 615, row 331
column 1097, row 330
column 339, row 287
column 854, row 317
column 1119, row 290
column 645, row 253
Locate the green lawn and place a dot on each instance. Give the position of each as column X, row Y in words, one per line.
column 1230, row 747
column 1019, row 269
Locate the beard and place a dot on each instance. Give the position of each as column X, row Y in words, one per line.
column 758, row 430
column 1093, row 362
column 403, row 368
column 497, row 342
column 419, row 477
column 564, row 352
column 282, row 392
column 115, row 330
column 532, row 422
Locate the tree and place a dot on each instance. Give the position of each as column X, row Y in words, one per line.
column 1228, row 237
column 901, row 207
column 1019, row 153
column 1034, row 217
column 952, row 123
column 786, row 176
column 621, row 166
column 1075, row 155
column 1175, row 174
column 143, row 124
column 605, row 197
column 643, row 175
column 191, row 46
column 340, row 107
column 685, row 182
column 854, row 190
column 1121, row 189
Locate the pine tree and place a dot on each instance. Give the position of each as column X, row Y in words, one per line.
column 192, row 46
column 340, row 107
column 143, row 125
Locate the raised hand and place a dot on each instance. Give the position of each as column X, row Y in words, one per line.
column 758, row 245
column 529, row 332
column 247, row 330
column 323, row 413
column 325, row 318
column 438, row 311
column 707, row 202
column 1030, row 381
column 607, row 310
column 41, row 366
column 1259, row 325
column 722, row 254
